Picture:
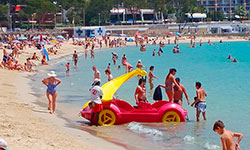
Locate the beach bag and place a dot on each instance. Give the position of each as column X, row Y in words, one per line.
column 157, row 94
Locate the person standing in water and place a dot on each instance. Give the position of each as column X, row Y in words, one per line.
column 75, row 58
column 227, row 137
column 151, row 76
column 51, row 82
column 140, row 92
column 200, row 101
column 169, row 81
column 97, row 74
column 96, row 103
column 178, row 92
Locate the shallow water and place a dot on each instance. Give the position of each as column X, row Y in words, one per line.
column 226, row 83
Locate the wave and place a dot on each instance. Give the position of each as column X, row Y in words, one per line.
column 138, row 128
column 211, row 146
column 188, row 139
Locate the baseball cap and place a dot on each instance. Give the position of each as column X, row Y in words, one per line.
column 3, row 144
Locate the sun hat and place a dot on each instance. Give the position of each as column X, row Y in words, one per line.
column 139, row 60
column 52, row 74
column 3, row 144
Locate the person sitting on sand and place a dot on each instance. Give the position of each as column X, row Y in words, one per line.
column 18, row 66
column 234, row 60
column 96, row 103
column 35, row 57
column 140, row 92
column 227, row 137
column 43, row 61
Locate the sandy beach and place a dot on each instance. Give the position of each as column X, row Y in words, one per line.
column 25, row 125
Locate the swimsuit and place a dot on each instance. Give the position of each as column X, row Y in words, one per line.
column 51, row 88
column 201, row 106
column 5, row 58
column 143, row 100
column 169, row 83
column 176, row 101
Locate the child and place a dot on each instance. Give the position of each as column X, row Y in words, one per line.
column 227, row 137
column 67, row 66
column 201, row 106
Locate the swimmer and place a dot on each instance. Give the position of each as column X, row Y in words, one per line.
column 124, row 59
column 119, row 67
column 153, row 53
column 67, row 66
column 151, row 76
column 178, row 92
column 114, row 57
column 227, row 137
column 75, row 58
column 229, row 57
column 169, row 81
column 200, row 101
column 139, row 64
column 97, row 74
column 140, row 92
column 234, row 60
column 108, row 73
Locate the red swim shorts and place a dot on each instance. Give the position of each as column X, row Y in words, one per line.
column 97, row 108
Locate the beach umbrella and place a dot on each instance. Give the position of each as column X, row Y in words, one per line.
column 15, row 41
column 36, row 38
column 177, row 33
column 54, row 41
column 42, row 43
column 60, row 37
column 22, row 38
column 170, row 33
column 130, row 40
column 76, row 39
column 91, row 35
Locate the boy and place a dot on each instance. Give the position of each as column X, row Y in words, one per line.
column 227, row 137
column 201, row 106
column 140, row 92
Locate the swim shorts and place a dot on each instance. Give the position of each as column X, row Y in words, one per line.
column 97, row 108
column 201, row 106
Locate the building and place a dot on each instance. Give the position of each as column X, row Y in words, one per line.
column 225, row 6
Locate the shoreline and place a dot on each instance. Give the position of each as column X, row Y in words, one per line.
column 25, row 123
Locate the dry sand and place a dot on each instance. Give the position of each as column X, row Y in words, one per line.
column 25, row 125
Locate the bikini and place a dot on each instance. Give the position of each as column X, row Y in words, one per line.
column 51, row 88
column 169, row 88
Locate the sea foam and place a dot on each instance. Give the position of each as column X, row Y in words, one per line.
column 211, row 146
column 188, row 139
column 138, row 128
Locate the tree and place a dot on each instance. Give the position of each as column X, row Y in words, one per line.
column 240, row 10
column 3, row 12
column 40, row 7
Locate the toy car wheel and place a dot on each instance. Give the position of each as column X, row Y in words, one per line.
column 106, row 118
column 171, row 116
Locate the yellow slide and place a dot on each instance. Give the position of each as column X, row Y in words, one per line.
column 110, row 87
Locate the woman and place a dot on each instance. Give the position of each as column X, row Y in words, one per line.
column 169, row 81
column 51, row 82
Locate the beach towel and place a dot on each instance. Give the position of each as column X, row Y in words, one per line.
column 44, row 52
column 157, row 94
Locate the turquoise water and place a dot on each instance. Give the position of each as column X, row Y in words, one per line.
column 226, row 83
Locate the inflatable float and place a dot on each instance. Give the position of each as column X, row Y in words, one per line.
column 117, row 111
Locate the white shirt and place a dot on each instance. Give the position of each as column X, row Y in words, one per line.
column 96, row 92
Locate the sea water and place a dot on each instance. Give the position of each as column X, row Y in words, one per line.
column 227, row 85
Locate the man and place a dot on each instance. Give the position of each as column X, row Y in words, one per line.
column 151, row 76
column 96, row 103
column 227, row 137
column 140, row 92
column 200, row 99
column 178, row 92
column 97, row 74
column 75, row 58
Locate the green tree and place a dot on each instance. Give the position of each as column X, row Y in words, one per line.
column 3, row 12
column 240, row 10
